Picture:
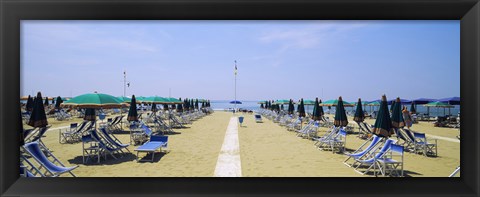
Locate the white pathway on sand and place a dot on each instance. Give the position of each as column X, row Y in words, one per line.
column 229, row 163
column 444, row 138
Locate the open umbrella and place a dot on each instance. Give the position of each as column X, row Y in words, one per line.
column 38, row 117
column 235, row 102
column 439, row 104
column 316, row 111
column 94, row 100
column 383, row 123
column 335, row 102
column 125, row 99
column 421, row 101
column 132, row 112
column 340, row 115
column 412, row 108
column 301, row 110
column 359, row 115
column 451, row 100
column 397, row 116
column 156, row 99
column 282, row 102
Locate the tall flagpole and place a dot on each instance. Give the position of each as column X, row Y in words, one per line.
column 235, row 108
column 124, row 83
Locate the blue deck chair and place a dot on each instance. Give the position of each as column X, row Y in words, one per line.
column 319, row 141
column 371, row 162
column 360, row 152
column 52, row 170
column 339, row 141
column 98, row 146
column 422, row 145
column 156, row 143
column 258, row 118
column 113, row 140
column 390, row 165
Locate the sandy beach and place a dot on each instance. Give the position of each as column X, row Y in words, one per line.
column 266, row 150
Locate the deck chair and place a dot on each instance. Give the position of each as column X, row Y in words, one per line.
column 113, row 140
column 156, row 143
column 457, row 170
column 363, row 132
column 258, row 118
column 390, row 165
column 360, row 152
column 423, row 146
column 162, row 127
column 51, row 169
column 339, row 141
column 319, row 141
column 371, row 162
column 141, row 135
column 98, row 147
column 74, row 132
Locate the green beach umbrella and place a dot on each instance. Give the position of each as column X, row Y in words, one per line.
column 301, row 110
column 90, row 114
column 132, row 112
column 29, row 105
column 282, row 102
column 316, row 111
column 335, row 103
column 391, row 106
column 308, row 102
column 38, row 118
column 359, row 115
column 340, row 115
column 180, row 106
column 383, row 123
column 156, row 99
column 261, row 105
column 165, row 107
column 281, row 107
column 412, row 108
column 46, row 101
column 21, row 134
column 290, row 107
column 439, row 104
column 397, row 116
column 124, row 99
column 192, row 105
column 59, row 102
column 196, row 104
column 154, row 107
column 94, row 100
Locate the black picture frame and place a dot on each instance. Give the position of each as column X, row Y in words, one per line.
column 12, row 11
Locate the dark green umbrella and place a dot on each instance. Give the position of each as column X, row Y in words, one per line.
column 192, row 105
column 397, row 116
column 154, row 107
column 290, row 107
column 29, row 105
column 165, row 107
column 203, row 105
column 261, row 105
column 46, row 101
column 180, row 106
column 59, row 101
column 359, row 115
column 301, row 110
column 94, row 100
column 412, row 108
column 320, row 107
column 196, row 103
column 90, row 114
column 391, row 106
column 281, row 107
column 132, row 112
column 340, row 115
column 316, row 111
column 38, row 117
column 173, row 106
column 383, row 123
column 21, row 134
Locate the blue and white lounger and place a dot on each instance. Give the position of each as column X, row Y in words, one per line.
column 156, row 143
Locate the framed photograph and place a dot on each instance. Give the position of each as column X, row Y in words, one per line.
column 239, row 98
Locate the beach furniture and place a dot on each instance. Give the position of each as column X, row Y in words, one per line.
column 339, row 141
column 156, row 143
column 114, row 125
column 174, row 122
column 98, row 146
column 424, row 146
column 162, row 126
column 457, row 170
column 62, row 115
column 388, row 163
column 258, row 118
column 75, row 132
column 371, row 160
column 360, row 152
column 324, row 140
column 140, row 134
column 51, row 169
column 113, row 140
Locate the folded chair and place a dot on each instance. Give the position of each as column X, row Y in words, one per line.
column 98, row 147
column 75, row 132
column 51, row 169
column 390, row 165
column 113, row 140
column 156, row 143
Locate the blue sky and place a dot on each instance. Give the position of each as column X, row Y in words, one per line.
column 275, row 59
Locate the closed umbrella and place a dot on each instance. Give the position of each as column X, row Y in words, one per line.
column 340, row 115
column 29, row 105
column 192, row 106
column 301, row 109
column 38, row 117
column 397, row 116
column 359, row 115
column 154, row 107
column 261, row 105
column 132, row 112
column 46, row 101
column 316, row 111
column 180, row 107
column 59, row 102
column 383, row 123
column 196, row 103
column 412, row 108
column 320, row 107
column 90, row 114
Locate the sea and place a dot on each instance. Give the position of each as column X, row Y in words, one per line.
column 254, row 106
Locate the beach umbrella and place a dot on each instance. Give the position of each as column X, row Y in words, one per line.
column 412, row 108
column 235, row 102
column 451, row 100
column 203, row 105
column 29, row 105
column 261, row 105
column 165, row 107
column 320, row 108
column 282, row 102
column 383, row 123
column 94, row 100
column 340, row 115
column 21, row 134
column 196, row 104
column 373, row 103
column 24, row 98
column 359, row 115
column 132, row 112
column 192, row 105
column 38, row 117
column 46, row 101
column 301, row 109
column 90, row 114
column 154, row 107
column 335, row 103
column 308, row 103
column 316, row 111
column 402, row 101
column 124, row 99
column 281, row 107
column 397, row 116
column 391, row 105
column 421, row 101
column 156, row 99
column 439, row 104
